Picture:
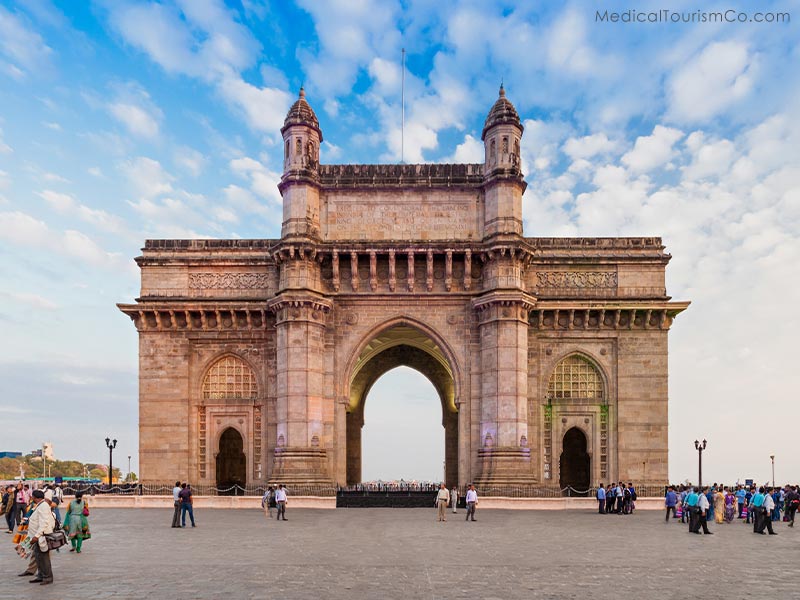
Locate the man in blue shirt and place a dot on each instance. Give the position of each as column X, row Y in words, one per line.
column 740, row 496
column 601, row 499
column 670, row 501
column 692, row 499
column 757, row 504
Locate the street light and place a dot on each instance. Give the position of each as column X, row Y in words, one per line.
column 129, row 467
column 110, row 444
column 700, row 446
column 772, row 458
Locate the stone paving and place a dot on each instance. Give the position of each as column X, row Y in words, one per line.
column 405, row 553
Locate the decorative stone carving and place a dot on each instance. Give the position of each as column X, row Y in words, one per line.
column 576, row 279
column 228, row 281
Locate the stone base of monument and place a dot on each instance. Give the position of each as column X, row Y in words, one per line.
column 300, row 466
column 501, row 467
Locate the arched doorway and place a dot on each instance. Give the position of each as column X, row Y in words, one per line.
column 231, row 461
column 403, row 437
column 409, row 346
column 574, row 462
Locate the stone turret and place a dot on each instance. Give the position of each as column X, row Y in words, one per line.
column 502, row 133
column 299, row 184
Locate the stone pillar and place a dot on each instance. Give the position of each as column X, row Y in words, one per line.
column 503, row 451
column 300, row 455
column 355, row 423
column 451, row 448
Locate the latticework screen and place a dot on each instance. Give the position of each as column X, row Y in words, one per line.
column 230, row 377
column 575, row 377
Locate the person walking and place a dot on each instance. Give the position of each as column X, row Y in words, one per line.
column 670, row 501
column 472, row 502
column 690, row 506
column 741, row 493
column 442, row 500
column 281, row 500
column 21, row 500
column 76, row 522
column 719, row 506
column 702, row 513
column 756, row 507
column 766, row 513
column 8, row 507
column 792, row 501
column 40, row 523
column 266, row 502
column 176, row 503
column 601, row 499
column 186, row 504
column 454, row 497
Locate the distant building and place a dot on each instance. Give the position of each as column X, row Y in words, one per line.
column 10, row 454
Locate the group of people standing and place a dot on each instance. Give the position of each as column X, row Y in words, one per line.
column 617, row 498
column 445, row 498
column 723, row 504
column 183, row 501
column 277, row 499
column 40, row 517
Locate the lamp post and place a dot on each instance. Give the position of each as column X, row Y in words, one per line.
column 129, row 467
column 772, row 458
column 110, row 444
column 700, row 446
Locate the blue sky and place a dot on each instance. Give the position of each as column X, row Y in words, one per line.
column 121, row 121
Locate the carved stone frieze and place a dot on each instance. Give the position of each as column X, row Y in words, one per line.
column 227, row 281
column 576, row 279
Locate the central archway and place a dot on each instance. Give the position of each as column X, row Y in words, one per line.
column 401, row 345
column 231, row 461
column 574, row 467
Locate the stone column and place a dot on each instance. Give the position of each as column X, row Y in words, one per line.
column 300, row 453
column 503, row 451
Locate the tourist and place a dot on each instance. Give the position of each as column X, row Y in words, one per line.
column 792, row 500
column 22, row 498
column 281, row 500
column 741, row 494
column 266, row 502
column 719, row 506
column 690, row 506
column 757, row 509
column 442, row 500
column 454, row 497
column 20, row 536
column 730, row 505
column 767, row 509
column 748, row 503
column 176, row 503
column 472, row 502
column 58, row 500
column 670, row 501
column 40, row 523
column 601, row 499
column 710, row 497
column 703, row 505
column 8, row 507
column 777, row 497
column 186, row 503
column 76, row 522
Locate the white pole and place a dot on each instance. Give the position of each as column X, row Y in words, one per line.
column 403, row 106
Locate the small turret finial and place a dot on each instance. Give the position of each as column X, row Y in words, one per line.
column 502, row 90
column 302, row 92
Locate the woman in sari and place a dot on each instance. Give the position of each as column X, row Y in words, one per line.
column 719, row 506
column 730, row 506
column 76, row 522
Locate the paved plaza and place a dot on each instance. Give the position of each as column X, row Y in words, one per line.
column 405, row 553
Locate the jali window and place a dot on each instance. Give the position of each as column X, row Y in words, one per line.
column 230, row 377
column 575, row 377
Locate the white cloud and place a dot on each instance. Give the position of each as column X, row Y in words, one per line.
column 190, row 160
column 52, row 125
column 67, row 205
column 471, row 150
column 4, row 148
column 263, row 182
column 709, row 158
column 723, row 73
column 136, row 119
column 95, row 171
column 652, row 151
column 147, row 176
column 264, row 108
column 33, row 300
column 588, row 146
column 24, row 48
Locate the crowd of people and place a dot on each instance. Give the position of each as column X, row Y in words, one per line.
column 617, row 498
column 33, row 516
column 761, row 505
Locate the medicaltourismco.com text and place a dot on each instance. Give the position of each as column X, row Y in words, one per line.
column 665, row 15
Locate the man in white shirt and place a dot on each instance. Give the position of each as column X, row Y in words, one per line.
column 280, row 499
column 40, row 523
column 454, row 498
column 176, row 500
column 702, row 518
column 442, row 500
column 766, row 518
column 472, row 502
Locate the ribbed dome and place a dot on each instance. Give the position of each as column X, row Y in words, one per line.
column 502, row 112
column 301, row 113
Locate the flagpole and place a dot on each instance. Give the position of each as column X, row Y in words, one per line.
column 403, row 106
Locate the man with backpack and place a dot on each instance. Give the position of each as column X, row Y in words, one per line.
column 792, row 501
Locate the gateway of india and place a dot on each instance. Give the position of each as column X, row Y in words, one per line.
column 549, row 355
